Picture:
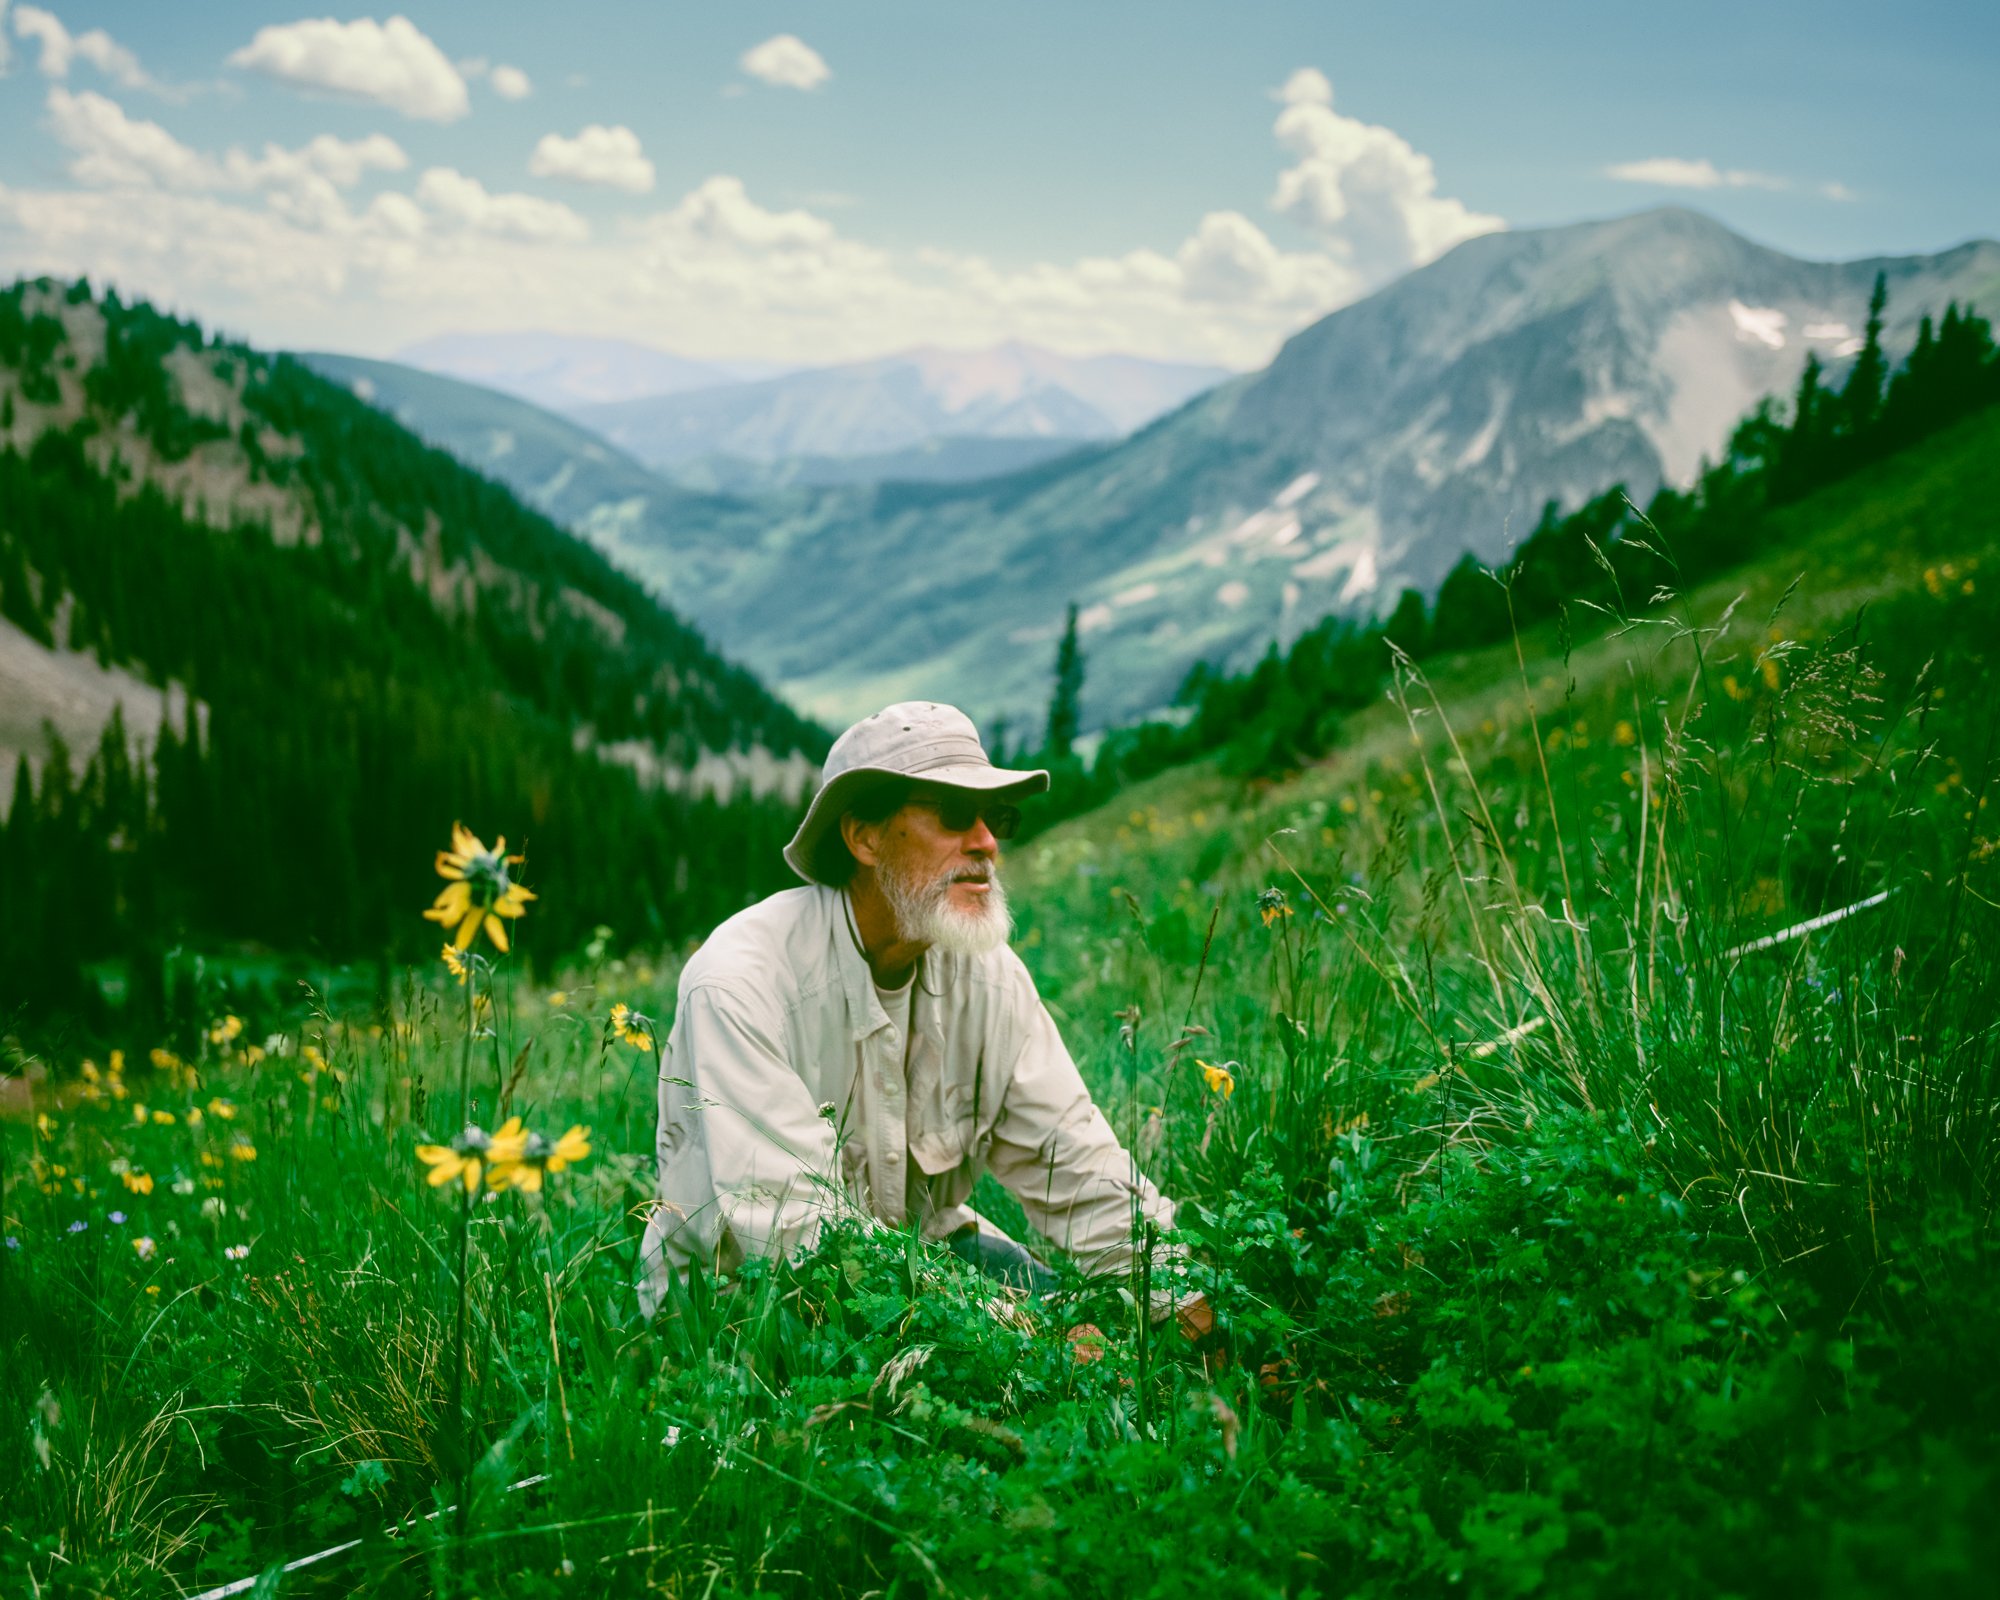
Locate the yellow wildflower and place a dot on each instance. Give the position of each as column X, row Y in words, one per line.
column 539, row 1156
column 558, row 997
column 243, row 1150
column 629, row 1025
column 481, row 891
column 138, row 1182
column 1220, row 1079
column 146, row 1246
column 222, row 1108
column 227, row 1031
column 455, row 962
column 1271, row 906
column 468, row 1157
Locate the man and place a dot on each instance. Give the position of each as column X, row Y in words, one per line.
column 870, row 1042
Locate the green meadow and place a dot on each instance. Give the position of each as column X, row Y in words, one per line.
column 1579, row 1220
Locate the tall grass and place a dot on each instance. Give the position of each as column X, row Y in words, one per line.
column 1564, row 1238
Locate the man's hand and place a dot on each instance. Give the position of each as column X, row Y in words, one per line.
column 1195, row 1318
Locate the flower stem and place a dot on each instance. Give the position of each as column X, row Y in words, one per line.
column 462, row 1451
column 465, row 1050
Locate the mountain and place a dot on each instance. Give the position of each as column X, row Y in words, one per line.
column 259, row 646
column 561, row 371
column 1435, row 417
column 566, row 472
column 869, row 408
column 942, row 459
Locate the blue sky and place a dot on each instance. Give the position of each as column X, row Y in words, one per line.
column 825, row 181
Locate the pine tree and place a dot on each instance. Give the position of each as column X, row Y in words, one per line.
column 1861, row 398
column 1065, row 704
column 1803, row 452
column 1408, row 627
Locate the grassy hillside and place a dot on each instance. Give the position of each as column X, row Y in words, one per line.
column 1827, row 561
column 1567, row 1239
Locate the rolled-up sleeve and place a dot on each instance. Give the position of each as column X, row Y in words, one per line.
column 747, row 1163
column 1055, row 1151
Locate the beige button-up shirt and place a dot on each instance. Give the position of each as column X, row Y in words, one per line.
column 788, row 1098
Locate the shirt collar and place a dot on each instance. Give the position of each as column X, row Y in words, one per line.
column 865, row 1015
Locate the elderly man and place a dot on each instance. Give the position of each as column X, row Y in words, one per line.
column 870, row 1042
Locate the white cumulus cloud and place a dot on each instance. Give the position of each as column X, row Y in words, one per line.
column 721, row 211
column 108, row 149
column 787, row 62
column 1676, row 172
column 1370, row 194
column 112, row 150
column 1228, row 260
column 60, row 48
column 609, row 156
column 511, row 83
column 391, row 64
column 453, row 195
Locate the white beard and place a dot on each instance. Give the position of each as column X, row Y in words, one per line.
column 925, row 914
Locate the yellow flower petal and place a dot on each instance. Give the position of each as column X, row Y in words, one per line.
column 508, row 1141
column 471, row 1174
column 572, row 1146
column 496, row 930
column 469, row 928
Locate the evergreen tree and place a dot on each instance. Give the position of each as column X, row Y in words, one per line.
column 1408, row 627
column 1066, row 703
column 1861, row 398
column 1804, row 448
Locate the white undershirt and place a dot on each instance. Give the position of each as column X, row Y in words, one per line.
column 897, row 1003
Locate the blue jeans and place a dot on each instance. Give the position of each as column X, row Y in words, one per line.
column 1001, row 1259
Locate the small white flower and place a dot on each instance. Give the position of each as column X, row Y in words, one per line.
column 673, row 1437
column 145, row 1246
column 183, row 1186
column 236, row 1252
column 214, row 1206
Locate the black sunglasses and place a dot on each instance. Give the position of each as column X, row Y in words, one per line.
column 958, row 812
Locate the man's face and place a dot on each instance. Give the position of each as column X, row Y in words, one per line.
column 943, row 884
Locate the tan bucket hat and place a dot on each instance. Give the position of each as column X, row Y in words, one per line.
column 914, row 740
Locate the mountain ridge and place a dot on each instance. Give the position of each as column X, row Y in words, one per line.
column 898, row 402
column 1435, row 417
column 306, row 642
